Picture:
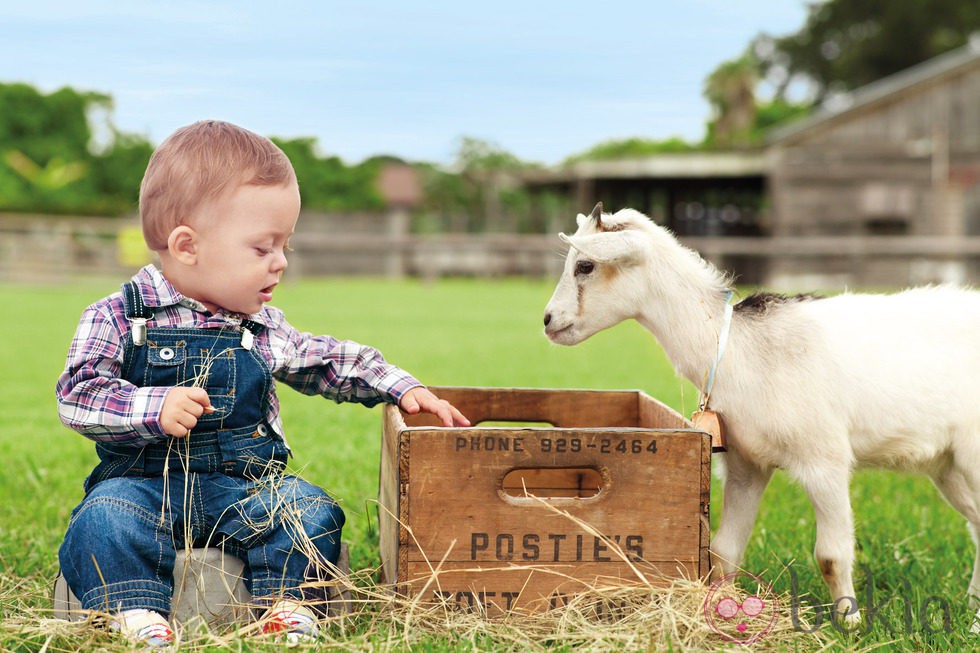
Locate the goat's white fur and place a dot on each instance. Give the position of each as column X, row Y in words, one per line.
column 814, row 387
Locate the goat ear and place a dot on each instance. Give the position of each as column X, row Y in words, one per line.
column 608, row 247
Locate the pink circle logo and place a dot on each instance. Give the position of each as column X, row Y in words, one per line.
column 738, row 615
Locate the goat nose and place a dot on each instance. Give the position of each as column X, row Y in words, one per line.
column 547, row 319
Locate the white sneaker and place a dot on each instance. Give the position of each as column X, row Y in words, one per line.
column 291, row 618
column 145, row 627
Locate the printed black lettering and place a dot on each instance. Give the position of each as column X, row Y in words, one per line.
column 634, row 546
column 505, row 546
column 475, row 442
column 483, row 597
column 518, row 445
column 509, row 597
column 478, row 542
column 465, row 600
column 557, row 601
column 460, row 443
column 557, row 539
column 578, row 548
column 598, row 546
column 531, row 549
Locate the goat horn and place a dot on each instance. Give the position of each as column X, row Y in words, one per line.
column 596, row 214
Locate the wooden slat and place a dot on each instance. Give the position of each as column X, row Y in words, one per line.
column 531, row 587
column 564, row 408
column 388, row 493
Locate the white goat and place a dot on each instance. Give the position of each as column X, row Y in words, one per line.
column 812, row 386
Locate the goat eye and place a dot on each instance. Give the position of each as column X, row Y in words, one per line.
column 584, row 267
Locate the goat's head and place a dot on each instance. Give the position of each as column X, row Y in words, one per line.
column 602, row 278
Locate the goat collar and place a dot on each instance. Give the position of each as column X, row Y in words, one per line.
column 726, row 327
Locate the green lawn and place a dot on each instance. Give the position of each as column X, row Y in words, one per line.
column 452, row 332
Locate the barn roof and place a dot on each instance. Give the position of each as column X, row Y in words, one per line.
column 840, row 107
column 680, row 165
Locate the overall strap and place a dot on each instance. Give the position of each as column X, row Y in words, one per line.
column 250, row 330
column 136, row 311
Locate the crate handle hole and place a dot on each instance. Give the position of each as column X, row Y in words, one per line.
column 552, row 482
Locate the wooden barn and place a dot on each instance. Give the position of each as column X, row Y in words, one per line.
column 703, row 197
column 895, row 165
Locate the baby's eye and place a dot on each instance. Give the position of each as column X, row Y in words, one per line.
column 263, row 251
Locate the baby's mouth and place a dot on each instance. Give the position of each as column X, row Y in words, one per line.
column 266, row 293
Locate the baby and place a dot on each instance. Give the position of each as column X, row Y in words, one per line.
column 174, row 380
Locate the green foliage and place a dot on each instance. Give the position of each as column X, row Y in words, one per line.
column 845, row 44
column 46, row 160
column 327, row 184
column 631, row 148
column 481, row 193
column 777, row 112
column 117, row 173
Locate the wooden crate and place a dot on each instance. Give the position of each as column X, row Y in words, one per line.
column 620, row 487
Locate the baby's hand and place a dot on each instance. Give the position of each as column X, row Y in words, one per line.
column 420, row 399
column 181, row 409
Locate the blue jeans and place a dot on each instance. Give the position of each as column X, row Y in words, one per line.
column 121, row 543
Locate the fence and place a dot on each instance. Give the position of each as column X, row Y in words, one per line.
column 58, row 248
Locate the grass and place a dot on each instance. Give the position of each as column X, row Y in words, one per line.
column 914, row 552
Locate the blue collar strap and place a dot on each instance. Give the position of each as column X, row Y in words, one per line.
column 726, row 327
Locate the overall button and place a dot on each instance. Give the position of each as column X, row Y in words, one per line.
column 261, row 431
column 166, row 354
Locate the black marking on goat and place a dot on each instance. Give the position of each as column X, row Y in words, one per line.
column 761, row 303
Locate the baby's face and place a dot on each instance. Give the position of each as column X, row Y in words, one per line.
column 241, row 246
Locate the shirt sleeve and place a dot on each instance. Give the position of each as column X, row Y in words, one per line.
column 341, row 370
column 93, row 399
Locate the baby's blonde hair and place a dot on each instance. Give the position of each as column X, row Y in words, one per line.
column 198, row 163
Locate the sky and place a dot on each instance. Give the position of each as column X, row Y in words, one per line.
column 541, row 79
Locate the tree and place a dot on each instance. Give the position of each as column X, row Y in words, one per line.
column 46, row 157
column 631, row 147
column 730, row 90
column 327, row 184
column 482, row 193
column 845, row 44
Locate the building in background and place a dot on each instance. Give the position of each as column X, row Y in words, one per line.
column 881, row 188
column 897, row 158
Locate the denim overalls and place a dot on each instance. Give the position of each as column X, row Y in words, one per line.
column 223, row 485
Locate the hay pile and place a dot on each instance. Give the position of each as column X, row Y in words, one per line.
column 636, row 618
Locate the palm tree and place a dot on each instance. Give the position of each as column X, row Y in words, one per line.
column 731, row 91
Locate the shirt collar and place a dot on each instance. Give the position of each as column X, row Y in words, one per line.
column 159, row 293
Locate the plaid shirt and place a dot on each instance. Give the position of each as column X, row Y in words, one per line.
column 94, row 400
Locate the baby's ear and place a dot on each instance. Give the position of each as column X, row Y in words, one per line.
column 182, row 245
